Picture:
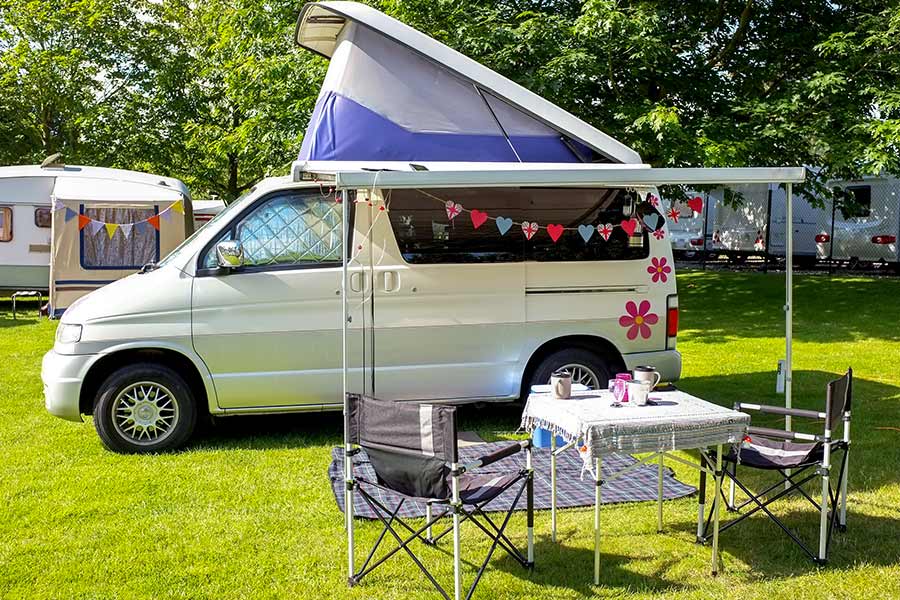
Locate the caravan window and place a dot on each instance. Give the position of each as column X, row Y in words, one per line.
column 426, row 235
column 98, row 251
column 5, row 224
column 42, row 217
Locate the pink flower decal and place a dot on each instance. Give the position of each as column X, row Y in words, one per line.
column 659, row 234
column 653, row 200
column 674, row 214
column 659, row 269
column 638, row 319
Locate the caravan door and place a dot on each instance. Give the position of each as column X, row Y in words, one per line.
column 449, row 300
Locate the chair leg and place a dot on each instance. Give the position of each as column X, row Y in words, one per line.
column 842, row 523
column 730, row 505
column 826, row 490
column 457, row 567
column 529, row 500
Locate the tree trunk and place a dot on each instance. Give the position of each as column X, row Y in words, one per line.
column 232, row 190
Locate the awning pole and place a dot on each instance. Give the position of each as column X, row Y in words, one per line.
column 348, row 474
column 789, row 298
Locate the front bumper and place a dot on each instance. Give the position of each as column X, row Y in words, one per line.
column 62, row 375
column 667, row 362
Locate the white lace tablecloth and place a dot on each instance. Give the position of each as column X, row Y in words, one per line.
column 677, row 421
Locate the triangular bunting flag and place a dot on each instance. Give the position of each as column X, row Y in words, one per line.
column 177, row 205
column 70, row 214
column 154, row 221
column 95, row 226
column 58, row 204
column 140, row 227
column 82, row 221
column 166, row 214
column 126, row 229
column 111, row 229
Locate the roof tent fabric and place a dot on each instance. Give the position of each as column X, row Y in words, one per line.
column 383, row 101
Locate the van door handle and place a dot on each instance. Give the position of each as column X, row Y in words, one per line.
column 356, row 282
column 391, row 281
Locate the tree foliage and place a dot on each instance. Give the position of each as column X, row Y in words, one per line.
column 215, row 92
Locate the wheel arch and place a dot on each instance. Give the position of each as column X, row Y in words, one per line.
column 593, row 343
column 195, row 375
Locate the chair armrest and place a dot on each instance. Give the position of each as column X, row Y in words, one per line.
column 498, row 454
column 781, row 410
column 784, row 435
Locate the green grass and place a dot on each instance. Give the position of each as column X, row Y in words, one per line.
column 247, row 512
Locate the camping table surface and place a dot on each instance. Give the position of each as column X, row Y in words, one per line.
column 675, row 421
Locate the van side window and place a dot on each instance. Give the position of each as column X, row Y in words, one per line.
column 426, row 235
column 288, row 229
column 42, row 217
column 141, row 246
column 5, row 224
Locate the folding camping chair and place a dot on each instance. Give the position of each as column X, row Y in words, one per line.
column 413, row 451
column 797, row 458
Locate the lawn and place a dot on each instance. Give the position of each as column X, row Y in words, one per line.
column 247, row 512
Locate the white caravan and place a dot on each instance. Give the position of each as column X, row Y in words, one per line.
column 25, row 220
column 205, row 211
column 461, row 293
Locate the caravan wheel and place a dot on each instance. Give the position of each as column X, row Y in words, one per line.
column 144, row 408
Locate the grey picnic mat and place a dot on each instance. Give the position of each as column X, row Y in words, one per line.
column 571, row 490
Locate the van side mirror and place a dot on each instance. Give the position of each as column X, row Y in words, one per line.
column 229, row 255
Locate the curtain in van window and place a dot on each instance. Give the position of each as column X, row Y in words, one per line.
column 100, row 252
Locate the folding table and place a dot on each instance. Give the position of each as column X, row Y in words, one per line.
column 674, row 421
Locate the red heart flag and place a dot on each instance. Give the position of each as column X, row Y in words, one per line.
column 154, row 220
column 629, row 225
column 478, row 218
column 555, row 231
column 83, row 221
column 696, row 204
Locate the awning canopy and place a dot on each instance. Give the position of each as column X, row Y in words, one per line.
column 510, row 175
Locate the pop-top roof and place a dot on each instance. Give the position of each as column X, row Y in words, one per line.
column 393, row 93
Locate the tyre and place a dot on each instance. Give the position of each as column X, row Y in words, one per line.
column 144, row 408
column 585, row 366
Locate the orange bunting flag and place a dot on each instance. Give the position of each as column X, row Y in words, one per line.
column 154, row 220
column 177, row 205
column 111, row 229
column 83, row 221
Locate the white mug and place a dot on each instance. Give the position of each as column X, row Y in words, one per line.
column 648, row 374
column 638, row 392
column 561, row 385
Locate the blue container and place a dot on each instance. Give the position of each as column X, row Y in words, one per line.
column 541, row 438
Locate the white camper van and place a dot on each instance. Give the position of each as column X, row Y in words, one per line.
column 458, row 293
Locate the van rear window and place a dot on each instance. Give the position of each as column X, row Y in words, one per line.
column 426, row 234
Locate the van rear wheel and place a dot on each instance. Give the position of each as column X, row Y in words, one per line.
column 144, row 408
column 585, row 366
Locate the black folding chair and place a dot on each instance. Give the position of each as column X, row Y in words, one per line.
column 413, row 451
column 797, row 458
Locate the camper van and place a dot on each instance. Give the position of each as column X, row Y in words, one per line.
column 458, row 293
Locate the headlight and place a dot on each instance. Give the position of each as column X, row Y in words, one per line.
column 68, row 333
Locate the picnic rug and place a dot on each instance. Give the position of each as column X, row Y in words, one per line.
column 571, row 489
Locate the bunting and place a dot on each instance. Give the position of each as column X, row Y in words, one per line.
column 94, row 226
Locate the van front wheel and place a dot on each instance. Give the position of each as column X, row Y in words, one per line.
column 144, row 408
column 586, row 368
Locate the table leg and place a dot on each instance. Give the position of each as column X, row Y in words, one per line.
column 701, row 498
column 553, row 488
column 716, row 505
column 659, row 494
column 597, row 483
